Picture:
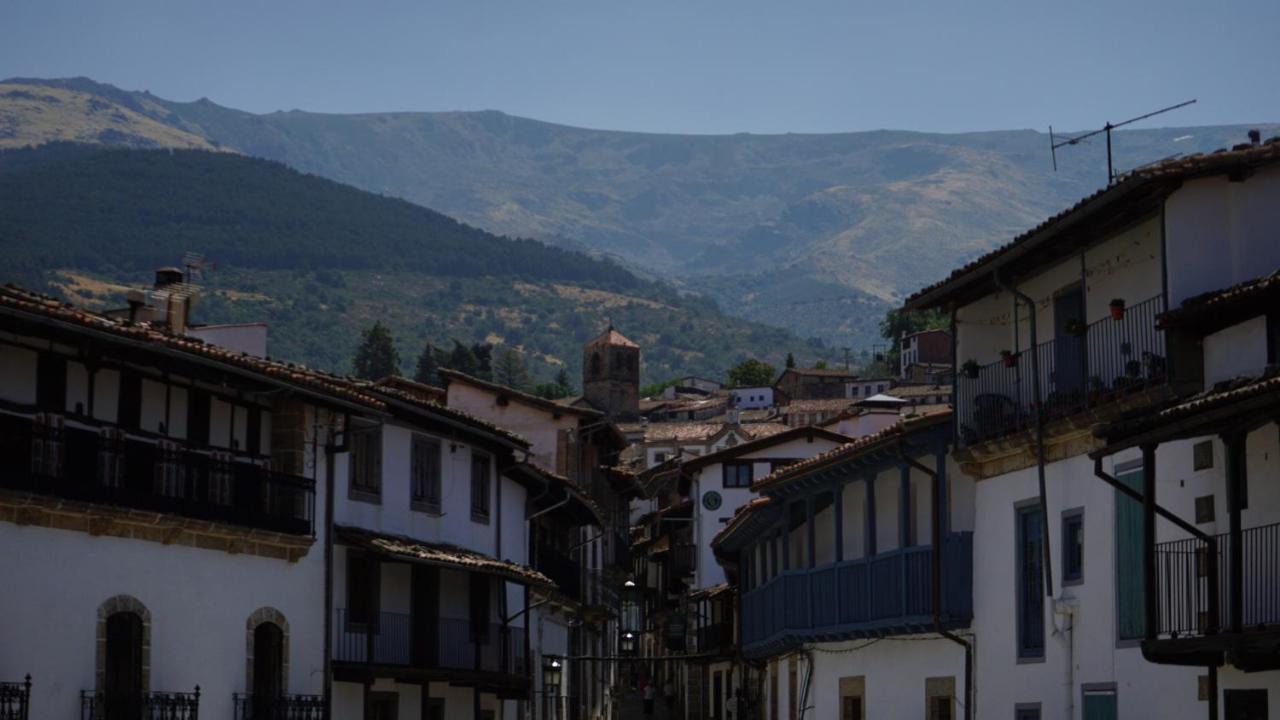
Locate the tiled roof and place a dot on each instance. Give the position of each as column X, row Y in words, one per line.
column 834, row 405
column 612, row 337
column 443, row 410
column 44, row 307
column 572, row 491
column 850, row 450
column 672, row 509
column 761, row 443
column 524, row 397
column 440, row 554
column 739, row 516
column 710, row 592
column 1169, row 171
column 820, row 372
column 1259, row 294
column 1222, row 395
column 912, row 391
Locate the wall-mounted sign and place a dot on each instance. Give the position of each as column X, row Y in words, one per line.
column 711, row 500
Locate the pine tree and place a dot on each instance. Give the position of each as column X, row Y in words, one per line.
column 791, row 360
column 427, row 366
column 484, row 360
column 562, row 380
column 463, row 360
column 376, row 357
column 511, row 371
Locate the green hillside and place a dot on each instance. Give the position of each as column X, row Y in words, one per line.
column 320, row 261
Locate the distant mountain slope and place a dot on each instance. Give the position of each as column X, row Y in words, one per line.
column 876, row 214
column 321, row 261
column 31, row 115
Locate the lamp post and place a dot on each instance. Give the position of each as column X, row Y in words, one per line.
column 552, row 670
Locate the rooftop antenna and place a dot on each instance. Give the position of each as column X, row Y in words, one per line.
column 1054, row 143
column 194, row 263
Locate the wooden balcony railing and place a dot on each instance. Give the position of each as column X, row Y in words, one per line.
column 1106, row 360
column 885, row 593
column 15, row 699
column 1183, row 568
column 442, row 643
column 107, row 466
column 145, row 706
column 281, row 707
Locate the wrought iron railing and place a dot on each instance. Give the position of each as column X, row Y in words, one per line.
column 1106, row 360
column 144, row 706
column 1185, row 605
column 105, row 465
column 402, row 640
column 885, row 593
column 15, row 699
column 280, row 707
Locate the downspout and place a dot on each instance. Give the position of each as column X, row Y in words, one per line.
column 935, row 569
column 331, row 450
column 808, row 682
column 1047, row 554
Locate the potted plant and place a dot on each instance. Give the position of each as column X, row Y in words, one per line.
column 1077, row 327
column 970, row 369
column 1117, row 309
column 1008, row 358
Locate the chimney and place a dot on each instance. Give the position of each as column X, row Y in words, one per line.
column 1255, row 136
column 137, row 300
column 167, row 276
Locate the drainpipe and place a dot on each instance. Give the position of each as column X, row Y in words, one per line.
column 1039, row 411
column 1065, row 607
column 935, row 570
column 331, row 450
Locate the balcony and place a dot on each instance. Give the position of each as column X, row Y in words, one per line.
column 1107, row 360
column 146, row 706
column 886, row 593
column 715, row 638
column 437, row 644
column 561, row 569
column 15, row 699
column 284, row 707
column 1185, row 605
column 109, row 467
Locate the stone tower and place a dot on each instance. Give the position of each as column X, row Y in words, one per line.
column 611, row 374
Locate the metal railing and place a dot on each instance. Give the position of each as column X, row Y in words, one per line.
column 1184, row 604
column 15, row 699
column 110, row 467
column 281, row 707
column 144, row 706
column 1107, row 360
column 444, row 643
column 878, row 593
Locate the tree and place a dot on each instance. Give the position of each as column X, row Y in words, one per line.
column 376, row 357
column 751, row 373
column 820, row 365
column 483, row 353
column 562, row 379
column 791, row 361
column 427, row 366
column 511, row 371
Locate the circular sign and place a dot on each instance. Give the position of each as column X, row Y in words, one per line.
column 711, row 500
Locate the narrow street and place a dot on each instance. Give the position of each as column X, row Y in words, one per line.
column 632, row 708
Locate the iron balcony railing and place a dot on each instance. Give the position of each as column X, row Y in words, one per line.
column 15, row 699
column 442, row 643
column 1185, row 606
column 1099, row 363
column 144, row 706
column 885, row 593
column 107, row 466
column 280, row 707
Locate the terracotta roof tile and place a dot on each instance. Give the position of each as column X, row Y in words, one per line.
column 440, row 554
column 1221, row 395
column 1260, row 294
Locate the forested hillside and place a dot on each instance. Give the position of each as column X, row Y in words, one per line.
column 320, row 261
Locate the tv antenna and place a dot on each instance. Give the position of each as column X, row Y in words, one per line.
column 1054, row 143
column 195, row 264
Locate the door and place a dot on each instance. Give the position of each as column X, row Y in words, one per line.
column 717, row 696
column 268, row 671
column 122, row 682
column 1245, row 704
column 383, row 706
column 1070, row 367
column 1100, row 705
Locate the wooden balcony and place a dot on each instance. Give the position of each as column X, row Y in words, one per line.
column 15, row 699
column 1108, row 360
column 103, row 465
column 426, row 647
column 885, row 594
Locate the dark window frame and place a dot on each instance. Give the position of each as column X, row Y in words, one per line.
column 1027, row 652
column 732, row 472
column 363, row 588
column 1072, row 562
column 364, row 465
column 481, row 487
column 426, row 466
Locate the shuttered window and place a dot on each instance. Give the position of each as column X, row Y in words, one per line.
column 1030, row 581
column 1130, row 625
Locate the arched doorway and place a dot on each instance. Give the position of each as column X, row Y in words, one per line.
column 123, row 667
column 268, row 670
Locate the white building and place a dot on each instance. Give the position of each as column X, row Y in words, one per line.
column 1072, row 617
column 160, row 518
column 752, row 398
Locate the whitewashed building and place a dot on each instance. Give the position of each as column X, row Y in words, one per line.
column 1075, row 609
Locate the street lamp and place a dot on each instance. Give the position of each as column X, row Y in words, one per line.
column 551, row 672
column 628, row 642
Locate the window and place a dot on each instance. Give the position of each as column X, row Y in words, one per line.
column 1099, row 702
column 851, row 692
column 480, row 487
column 268, row 669
column 737, row 474
column 363, row 580
column 1204, row 509
column 939, row 697
column 1030, row 581
column 1073, row 546
column 1130, row 603
column 366, row 464
column 424, row 471
column 1026, row 711
column 1202, row 455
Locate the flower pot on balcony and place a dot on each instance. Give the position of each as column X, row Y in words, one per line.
column 1117, row 309
column 1008, row 358
column 969, row 369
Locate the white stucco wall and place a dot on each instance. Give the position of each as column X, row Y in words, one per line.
column 1221, row 232
column 894, row 670
column 537, row 425
column 1239, row 350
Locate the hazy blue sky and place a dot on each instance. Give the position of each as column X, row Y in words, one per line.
column 706, row 66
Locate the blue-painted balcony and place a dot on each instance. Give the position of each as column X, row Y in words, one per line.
column 890, row 593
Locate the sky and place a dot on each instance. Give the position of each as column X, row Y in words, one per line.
column 686, row 66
